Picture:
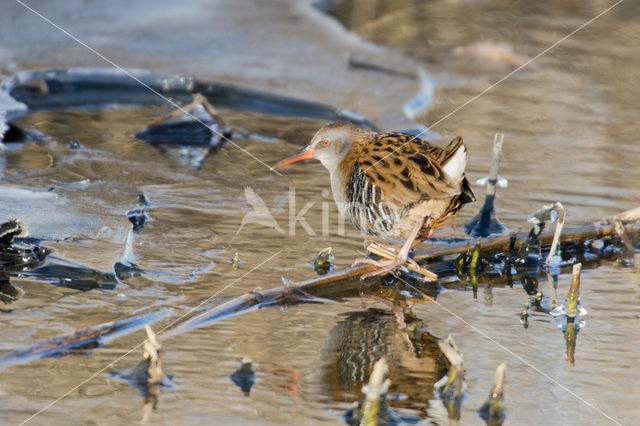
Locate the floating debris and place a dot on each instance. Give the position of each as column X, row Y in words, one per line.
column 149, row 370
column 143, row 200
column 17, row 258
column 73, row 276
column 524, row 315
column 147, row 376
column 30, row 261
column 235, row 261
column 138, row 218
column 451, row 388
column 91, row 87
column 9, row 230
column 17, row 134
column 190, row 133
column 8, row 292
column 244, row 377
column 126, row 270
column 492, row 411
column 86, row 338
column 486, row 222
column 76, row 144
column 323, row 264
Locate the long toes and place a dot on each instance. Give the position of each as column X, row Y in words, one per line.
column 365, row 261
column 412, row 262
column 385, row 267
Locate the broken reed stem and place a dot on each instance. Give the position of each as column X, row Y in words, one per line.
column 494, row 404
column 498, row 381
column 498, row 139
column 558, row 231
column 574, row 292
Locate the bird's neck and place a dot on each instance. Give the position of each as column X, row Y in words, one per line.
column 339, row 187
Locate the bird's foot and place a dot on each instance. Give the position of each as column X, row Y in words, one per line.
column 384, row 266
column 393, row 260
column 389, row 253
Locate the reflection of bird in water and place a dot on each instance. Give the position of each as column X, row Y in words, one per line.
column 391, row 186
column 360, row 338
column 260, row 213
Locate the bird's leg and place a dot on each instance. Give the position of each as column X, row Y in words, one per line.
column 401, row 257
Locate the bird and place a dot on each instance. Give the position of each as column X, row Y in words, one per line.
column 392, row 186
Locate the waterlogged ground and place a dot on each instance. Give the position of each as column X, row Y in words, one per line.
column 570, row 121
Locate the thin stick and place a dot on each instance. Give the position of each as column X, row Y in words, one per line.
column 498, row 139
column 556, row 236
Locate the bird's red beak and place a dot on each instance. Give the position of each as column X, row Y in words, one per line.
column 306, row 153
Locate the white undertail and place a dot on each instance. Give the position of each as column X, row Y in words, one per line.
column 456, row 165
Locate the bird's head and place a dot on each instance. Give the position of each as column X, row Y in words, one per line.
column 330, row 145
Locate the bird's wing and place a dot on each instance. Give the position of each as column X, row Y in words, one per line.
column 407, row 169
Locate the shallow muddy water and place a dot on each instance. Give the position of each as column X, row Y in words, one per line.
column 570, row 121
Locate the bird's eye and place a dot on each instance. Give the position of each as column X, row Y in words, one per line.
column 326, row 142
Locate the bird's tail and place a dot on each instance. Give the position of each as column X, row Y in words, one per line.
column 450, row 150
column 454, row 159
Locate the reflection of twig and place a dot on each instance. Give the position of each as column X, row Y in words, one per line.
column 451, row 387
column 570, row 337
column 553, row 285
column 486, row 222
column 498, row 140
column 574, row 292
column 374, row 390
